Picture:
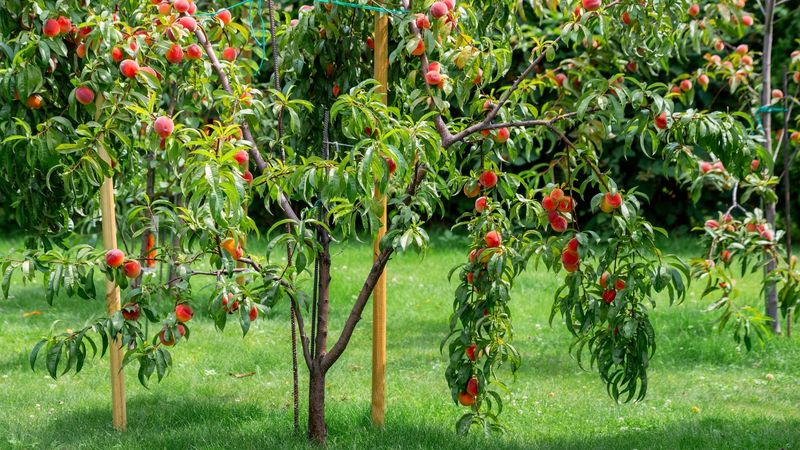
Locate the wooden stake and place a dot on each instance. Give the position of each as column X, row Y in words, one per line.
column 119, row 418
column 379, row 293
column 109, row 218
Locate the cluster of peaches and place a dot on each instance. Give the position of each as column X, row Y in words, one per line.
column 177, row 21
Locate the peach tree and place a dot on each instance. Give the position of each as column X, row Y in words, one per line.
column 205, row 119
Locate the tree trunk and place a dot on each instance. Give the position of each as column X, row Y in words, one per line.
column 317, row 430
column 771, row 294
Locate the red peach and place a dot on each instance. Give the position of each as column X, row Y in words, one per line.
column 493, row 239
column 183, row 313
column 132, row 268
column 51, row 28
column 84, row 95
column 488, row 179
column 163, row 126
column 129, row 68
column 438, row 9
column 114, row 258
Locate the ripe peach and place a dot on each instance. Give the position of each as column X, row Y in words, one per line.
column 711, row 224
column 626, row 18
column 450, row 4
column 132, row 268
column 472, row 387
column 181, row 5
column 390, row 164
column 573, row 245
column 686, row 85
column 131, row 311
column 609, row 295
column 566, row 204
column 419, row 49
column 151, row 71
column 164, row 8
column 631, row 66
column 438, row 9
column 171, row 341
column 470, row 351
column 84, row 95
column 493, row 239
column 558, row 223
column 610, row 202
column 472, row 189
column 241, row 157
column 560, row 79
column 604, row 280
column 80, row 51
column 502, row 135
column 51, row 28
column 129, row 68
column 795, row 137
column 702, row 80
column 488, row 179
column 591, row 5
column 114, row 258
column 661, row 121
column 464, row 398
column 248, row 178
column 433, row 78
column 188, row 22
column 229, row 54
column 192, row 8
column 163, row 126
column 569, row 258
column 548, row 204
column 64, row 24
column 117, row 54
column 34, row 101
column 174, row 54
column 557, row 194
column 777, row 94
column 194, row 52
column 742, row 49
column 694, row 10
column 747, row 21
column 422, row 22
column 480, row 204
column 183, row 313
column 224, row 16
column 253, row 315
column 754, row 164
column 619, row 284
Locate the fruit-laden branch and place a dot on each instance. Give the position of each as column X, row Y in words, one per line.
column 588, row 162
column 254, row 152
column 358, row 308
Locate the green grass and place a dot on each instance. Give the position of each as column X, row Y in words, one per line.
column 554, row 403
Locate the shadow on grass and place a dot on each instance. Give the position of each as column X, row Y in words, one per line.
column 208, row 423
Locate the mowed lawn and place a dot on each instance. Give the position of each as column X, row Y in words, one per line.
column 704, row 391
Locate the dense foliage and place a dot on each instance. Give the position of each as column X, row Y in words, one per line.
column 522, row 105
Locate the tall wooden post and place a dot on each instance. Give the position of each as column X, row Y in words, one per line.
column 381, row 62
column 109, row 218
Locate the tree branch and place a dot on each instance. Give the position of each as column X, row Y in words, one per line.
column 358, row 308
column 254, row 152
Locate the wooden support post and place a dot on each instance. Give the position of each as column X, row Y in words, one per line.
column 379, row 293
column 119, row 418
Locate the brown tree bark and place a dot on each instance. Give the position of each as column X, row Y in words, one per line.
column 317, row 429
column 771, row 294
